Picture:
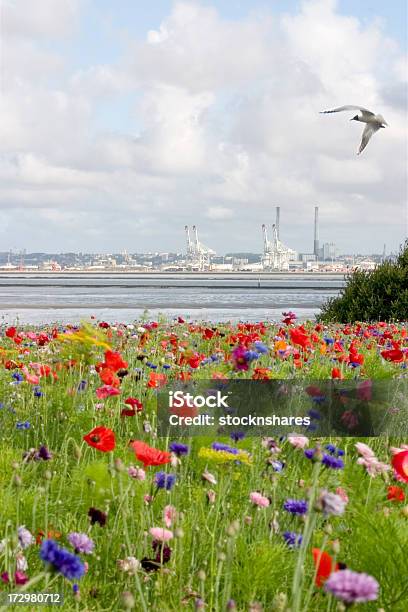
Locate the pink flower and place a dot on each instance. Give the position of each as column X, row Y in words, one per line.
column 169, row 515
column 160, row 534
column 364, row 450
column 259, row 500
column 106, row 391
column 373, row 465
column 298, row 441
column 137, row 473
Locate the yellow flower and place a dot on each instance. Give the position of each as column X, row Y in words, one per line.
column 87, row 335
column 223, row 456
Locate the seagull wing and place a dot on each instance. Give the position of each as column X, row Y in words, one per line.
column 347, row 108
column 369, row 130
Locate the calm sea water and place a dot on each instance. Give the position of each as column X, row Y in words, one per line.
column 58, row 297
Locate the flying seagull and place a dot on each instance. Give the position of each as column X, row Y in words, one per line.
column 373, row 122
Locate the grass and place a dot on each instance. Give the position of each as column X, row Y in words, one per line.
column 224, row 548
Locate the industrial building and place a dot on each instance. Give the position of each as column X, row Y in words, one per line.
column 198, row 255
column 276, row 256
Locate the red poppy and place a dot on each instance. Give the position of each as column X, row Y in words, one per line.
column 135, row 407
column 300, row 337
column 156, row 380
column 11, row 332
column 336, row 373
column 400, row 464
column 355, row 357
column 395, row 355
column 109, row 377
column 135, row 403
column 324, row 564
column 114, row 361
column 395, row 493
column 148, row 455
column 101, row 438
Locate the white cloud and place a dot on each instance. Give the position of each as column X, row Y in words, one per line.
column 227, row 128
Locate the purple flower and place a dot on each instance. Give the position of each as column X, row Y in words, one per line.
column 292, row 539
column 164, row 481
column 163, row 552
column 81, row 543
column 240, row 358
column 25, row 537
column 61, row 560
column 334, row 463
column 296, row 506
column 237, row 435
column 352, row 587
column 179, row 449
column 44, row 453
column 331, row 504
column 309, row 453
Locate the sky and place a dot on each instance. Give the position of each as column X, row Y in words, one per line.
column 121, row 122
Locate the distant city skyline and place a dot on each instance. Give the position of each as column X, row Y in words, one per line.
column 119, row 127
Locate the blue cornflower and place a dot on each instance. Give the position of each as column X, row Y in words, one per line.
column 23, row 425
column 277, row 465
column 151, row 365
column 82, row 385
column 335, row 463
column 329, row 341
column 166, row 366
column 295, row 506
column 165, row 481
column 314, row 414
column 251, row 355
column 37, row 392
column 333, row 450
column 261, row 347
column 319, row 399
column 17, row 377
column 179, row 449
column 61, row 560
column 309, row 453
column 219, row 446
column 237, row 435
column 292, row 539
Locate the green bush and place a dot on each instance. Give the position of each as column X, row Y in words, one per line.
column 378, row 295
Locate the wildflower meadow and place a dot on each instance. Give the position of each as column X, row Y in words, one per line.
column 98, row 507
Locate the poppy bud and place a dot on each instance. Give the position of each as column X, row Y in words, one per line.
column 17, row 480
column 279, row 602
column 201, row 575
column 335, row 546
column 128, row 601
column 77, row 452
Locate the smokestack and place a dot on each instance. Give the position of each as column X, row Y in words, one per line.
column 278, row 221
column 316, row 233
